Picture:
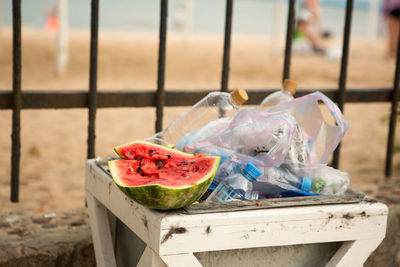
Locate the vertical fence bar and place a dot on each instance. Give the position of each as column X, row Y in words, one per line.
column 289, row 35
column 227, row 46
column 94, row 31
column 341, row 94
column 393, row 116
column 16, row 115
column 160, row 96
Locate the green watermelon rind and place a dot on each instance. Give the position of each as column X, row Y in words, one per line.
column 116, row 149
column 166, row 198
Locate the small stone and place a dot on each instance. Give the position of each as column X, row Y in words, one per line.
column 50, row 215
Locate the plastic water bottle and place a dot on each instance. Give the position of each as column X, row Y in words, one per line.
column 297, row 154
column 236, row 187
column 209, row 130
column 276, row 180
column 229, row 167
column 283, row 95
column 212, row 107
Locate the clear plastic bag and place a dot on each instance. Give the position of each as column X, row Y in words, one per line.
column 320, row 138
column 330, row 181
column 252, row 136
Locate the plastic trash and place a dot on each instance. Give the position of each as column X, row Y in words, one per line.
column 210, row 129
column 330, row 181
column 212, row 107
column 275, row 180
column 278, row 181
column 239, row 186
column 298, row 149
column 228, row 168
column 252, row 136
column 283, row 95
column 314, row 137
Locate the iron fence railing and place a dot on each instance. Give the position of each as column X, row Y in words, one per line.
column 17, row 99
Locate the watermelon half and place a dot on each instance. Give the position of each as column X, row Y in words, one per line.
column 162, row 178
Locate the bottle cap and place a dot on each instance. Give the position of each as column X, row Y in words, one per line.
column 239, row 96
column 252, row 171
column 306, row 184
column 290, row 85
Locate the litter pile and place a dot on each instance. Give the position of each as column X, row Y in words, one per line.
column 279, row 149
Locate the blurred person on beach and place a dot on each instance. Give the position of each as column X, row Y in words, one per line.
column 309, row 36
column 391, row 12
column 51, row 21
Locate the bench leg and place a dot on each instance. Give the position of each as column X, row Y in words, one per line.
column 101, row 235
column 354, row 253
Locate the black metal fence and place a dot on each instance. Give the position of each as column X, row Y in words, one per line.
column 91, row 99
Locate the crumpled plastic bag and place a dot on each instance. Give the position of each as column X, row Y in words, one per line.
column 321, row 137
column 252, row 136
column 330, row 181
column 293, row 133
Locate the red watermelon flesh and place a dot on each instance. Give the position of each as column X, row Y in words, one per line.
column 160, row 177
column 169, row 172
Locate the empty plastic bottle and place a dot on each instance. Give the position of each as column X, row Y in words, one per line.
column 297, row 154
column 275, row 180
column 210, row 129
column 212, row 107
column 284, row 178
column 283, row 95
column 237, row 187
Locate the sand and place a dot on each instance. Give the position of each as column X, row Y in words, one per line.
column 54, row 141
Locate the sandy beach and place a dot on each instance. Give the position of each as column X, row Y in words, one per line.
column 54, row 146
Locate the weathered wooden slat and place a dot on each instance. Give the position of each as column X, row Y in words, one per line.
column 351, row 196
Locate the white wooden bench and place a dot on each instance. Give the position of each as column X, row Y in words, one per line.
column 243, row 237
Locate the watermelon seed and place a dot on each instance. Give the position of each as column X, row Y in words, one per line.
column 131, row 169
column 140, row 158
column 192, row 162
column 187, row 177
column 139, row 169
column 160, row 166
column 136, row 158
column 169, row 156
